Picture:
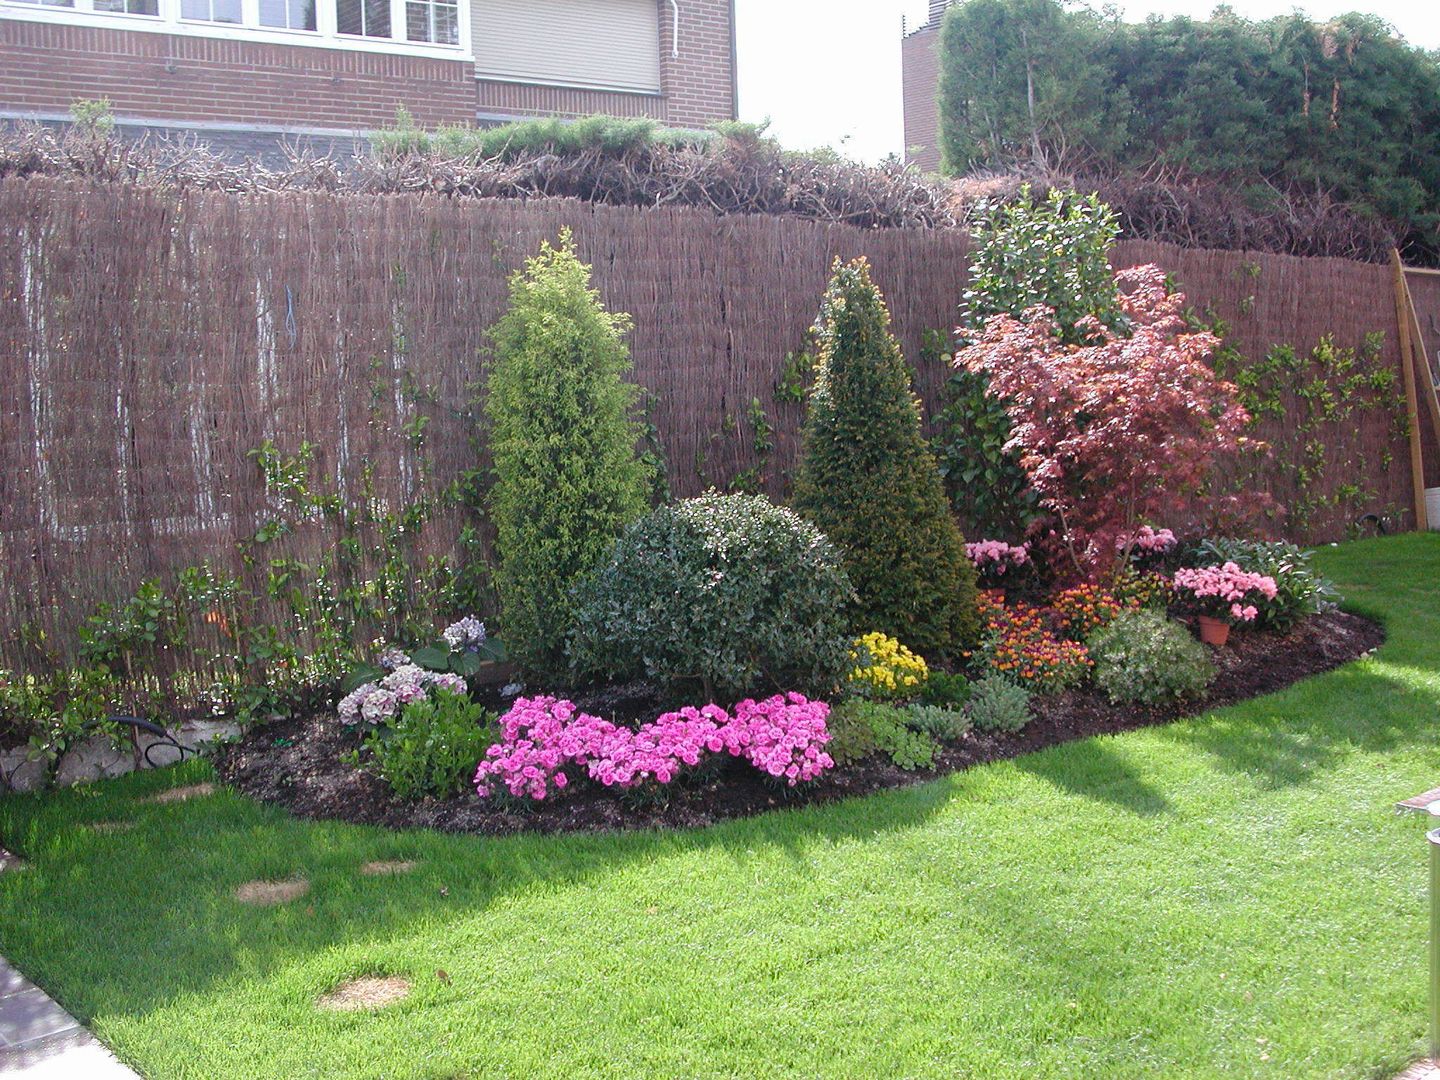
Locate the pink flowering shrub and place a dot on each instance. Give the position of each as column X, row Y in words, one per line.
column 783, row 736
column 1146, row 541
column 993, row 558
column 1224, row 592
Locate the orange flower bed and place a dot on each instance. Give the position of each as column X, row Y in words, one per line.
column 1019, row 644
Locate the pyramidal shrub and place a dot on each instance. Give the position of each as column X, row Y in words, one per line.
column 868, row 478
column 563, row 442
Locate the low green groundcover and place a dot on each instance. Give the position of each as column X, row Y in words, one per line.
column 1229, row 896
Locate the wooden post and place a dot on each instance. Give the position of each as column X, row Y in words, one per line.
column 1425, row 380
column 1407, row 369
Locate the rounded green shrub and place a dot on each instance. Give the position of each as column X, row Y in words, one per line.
column 567, row 475
column 729, row 592
column 863, row 727
column 1145, row 657
column 869, row 480
column 942, row 723
column 997, row 704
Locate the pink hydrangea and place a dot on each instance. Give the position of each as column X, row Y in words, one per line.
column 995, row 557
column 1147, row 540
column 1225, row 592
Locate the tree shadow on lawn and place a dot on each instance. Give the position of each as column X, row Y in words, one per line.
column 1094, row 769
column 120, row 923
column 1284, row 739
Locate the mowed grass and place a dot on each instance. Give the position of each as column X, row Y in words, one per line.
column 1226, row 896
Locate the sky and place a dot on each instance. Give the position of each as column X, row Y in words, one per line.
column 827, row 72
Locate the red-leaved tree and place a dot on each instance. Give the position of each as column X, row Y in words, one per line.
column 1118, row 432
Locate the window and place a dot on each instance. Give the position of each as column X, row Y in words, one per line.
column 432, row 20
column 218, row 11
column 49, row 3
column 129, row 7
column 363, row 18
column 288, row 14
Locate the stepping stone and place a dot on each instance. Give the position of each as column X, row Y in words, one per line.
column 388, row 867
column 1419, row 804
column 270, row 893
column 1421, row 1070
column 366, row 992
column 10, row 861
column 180, row 794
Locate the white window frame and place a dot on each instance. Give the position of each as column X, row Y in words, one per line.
column 324, row 35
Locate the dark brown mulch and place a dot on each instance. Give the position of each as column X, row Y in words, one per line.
column 297, row 763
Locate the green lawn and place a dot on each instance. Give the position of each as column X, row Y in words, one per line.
column 1228, row 896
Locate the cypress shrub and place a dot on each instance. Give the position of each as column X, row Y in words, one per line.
column 869, row 480
column 563, row 441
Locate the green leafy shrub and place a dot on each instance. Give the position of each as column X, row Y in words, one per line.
column 1145, row 657
column 567, row 476
column 868, row 479
column 945, row 690
column 941, row 723
column 727, row 591
column 433, row 747
column 997, row 704
column 867, row 727
column 52, row 714
column 1301, row 591
column 852, row 738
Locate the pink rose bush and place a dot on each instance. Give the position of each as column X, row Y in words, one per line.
column 783, row 736
column 1224, row 592
column 993, row 558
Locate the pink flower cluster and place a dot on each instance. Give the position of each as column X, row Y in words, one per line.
column 1147, row 540
column 783, row 736
column 1226, row 592
column 996, row 556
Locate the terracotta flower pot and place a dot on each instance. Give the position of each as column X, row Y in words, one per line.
column 1214, row 631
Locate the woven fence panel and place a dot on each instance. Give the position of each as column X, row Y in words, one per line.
column 149, row 340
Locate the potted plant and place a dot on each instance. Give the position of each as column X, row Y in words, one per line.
column 1221, row 596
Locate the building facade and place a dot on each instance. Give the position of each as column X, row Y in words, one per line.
column 920, row 81
column 244, row 74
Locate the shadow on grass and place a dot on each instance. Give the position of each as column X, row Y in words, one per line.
column 1094, row 769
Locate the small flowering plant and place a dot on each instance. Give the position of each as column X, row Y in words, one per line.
column 1018, row 643
column 462, row 648
column 546, row 742
column 1223, row 592
column 884, row 668
column 995, row 560
column 1085, row 608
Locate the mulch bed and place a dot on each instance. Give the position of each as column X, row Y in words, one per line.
column 298, row 763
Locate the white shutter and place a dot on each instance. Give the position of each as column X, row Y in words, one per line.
column 609, row 43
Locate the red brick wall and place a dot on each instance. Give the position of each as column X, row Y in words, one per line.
column 506, row 98
column 44, row 67
column 699, row 84
column 920, row 79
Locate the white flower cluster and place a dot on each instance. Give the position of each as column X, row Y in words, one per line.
column 468, row 633
column 375, row 703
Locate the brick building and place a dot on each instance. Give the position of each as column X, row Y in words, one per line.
column 243, row 74
column 920, row 80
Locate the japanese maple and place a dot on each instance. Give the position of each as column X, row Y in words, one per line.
column 1119, row 431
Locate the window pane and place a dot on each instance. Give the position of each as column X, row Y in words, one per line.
column 292, row 14
column 377, row 18
column 447, row 25
column 50, row 3
column 129, row 7
column 226, row 11
column 195, row 9
column 429, row 21
column 370, row 18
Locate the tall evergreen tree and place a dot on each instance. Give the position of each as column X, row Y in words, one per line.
column 567, row 477
column 868, row 479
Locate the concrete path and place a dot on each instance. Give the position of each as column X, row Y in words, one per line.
column 38, row 1039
